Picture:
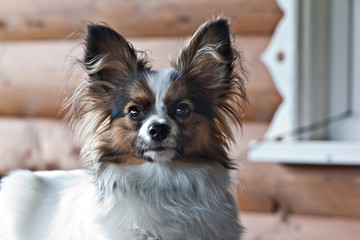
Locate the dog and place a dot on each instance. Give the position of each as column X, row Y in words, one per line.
column 155, row 143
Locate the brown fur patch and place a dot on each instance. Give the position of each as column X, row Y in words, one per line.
column 193, row 160
column 123, row 131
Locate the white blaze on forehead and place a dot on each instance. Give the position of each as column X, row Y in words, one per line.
column 160, row 82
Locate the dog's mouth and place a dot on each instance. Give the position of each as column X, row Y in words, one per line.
column 159, row 149
column 160, row 153
column 156, row 147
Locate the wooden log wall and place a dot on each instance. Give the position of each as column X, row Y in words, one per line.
column 38, row 19
column 34, row 63
column 35, row 84
column 37, row 144
column 149, row 23
column 260, row 226
column 294, row 189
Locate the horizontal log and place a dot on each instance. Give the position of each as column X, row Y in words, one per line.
column 37, row 144
column 34, row 75
column 298, row 189
column 275, row 226
column 38, row 19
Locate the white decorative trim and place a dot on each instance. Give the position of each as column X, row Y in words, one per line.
column 283, row 72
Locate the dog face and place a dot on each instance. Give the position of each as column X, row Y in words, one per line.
column 137, row 114
column 165, row 116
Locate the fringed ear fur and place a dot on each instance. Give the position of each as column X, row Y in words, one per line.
column 109, row 55
column 208, row 53
column 209, row 57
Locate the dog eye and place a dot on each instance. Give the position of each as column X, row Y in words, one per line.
column 135, row 113
column 183, row 110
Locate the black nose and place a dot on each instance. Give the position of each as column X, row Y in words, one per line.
column 159, row 132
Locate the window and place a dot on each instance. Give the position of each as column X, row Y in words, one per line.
column 314, row 59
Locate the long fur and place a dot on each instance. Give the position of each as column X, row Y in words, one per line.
column 137, row 187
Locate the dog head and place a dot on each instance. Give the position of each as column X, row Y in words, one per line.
column 132, row 114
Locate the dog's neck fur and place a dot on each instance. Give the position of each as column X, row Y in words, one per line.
column 154, row 195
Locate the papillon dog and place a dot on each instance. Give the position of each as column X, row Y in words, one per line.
column 156, row 144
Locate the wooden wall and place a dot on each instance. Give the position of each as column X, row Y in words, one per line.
column 38, row 19
column 294, row 189
column 41, row 68
column 36, row 56
column 34, row 33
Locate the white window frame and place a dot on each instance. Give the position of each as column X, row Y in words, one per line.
column 297, row 54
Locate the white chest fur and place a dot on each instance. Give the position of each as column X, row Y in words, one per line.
column 148, row 201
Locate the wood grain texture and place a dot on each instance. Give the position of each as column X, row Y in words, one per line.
column 33, row 75
column 295, row 189
column 38, row 19
column 37, row 144
column 261, row 226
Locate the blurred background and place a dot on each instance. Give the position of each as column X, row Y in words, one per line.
column 37, row 46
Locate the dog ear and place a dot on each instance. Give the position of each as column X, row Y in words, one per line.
column 108, row 55
column 208, row 55
column 209, row 58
